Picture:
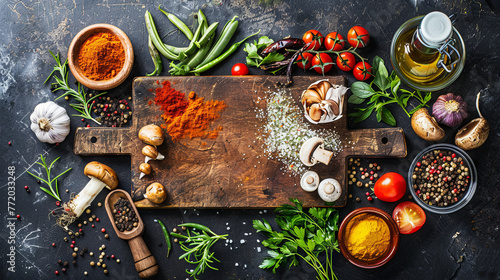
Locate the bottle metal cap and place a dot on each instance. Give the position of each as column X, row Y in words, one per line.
column 436, row 29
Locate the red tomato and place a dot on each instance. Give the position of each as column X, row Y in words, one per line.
column 305, row 58
column 358, row 37
column 315, row 37
column 409, row 216
column 362, row 72
column 390, row 187
column 346, row 61
column 322, row 63
column 239, row 69
column 334, row 42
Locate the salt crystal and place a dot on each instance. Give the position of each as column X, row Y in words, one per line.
column 242, row 241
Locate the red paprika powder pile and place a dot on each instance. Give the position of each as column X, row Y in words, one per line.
column 187, row 118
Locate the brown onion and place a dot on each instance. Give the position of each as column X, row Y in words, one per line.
column 450, row 109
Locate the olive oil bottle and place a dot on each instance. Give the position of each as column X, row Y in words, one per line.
column 425, row 52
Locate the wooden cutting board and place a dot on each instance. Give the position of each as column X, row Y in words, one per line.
column 233, row 173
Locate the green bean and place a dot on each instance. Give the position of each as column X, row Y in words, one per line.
column 155, row 38
column 177, row 22
column 192, row 45
column 155, row 56
column 197, row 226
column 200, row 55
column 222, row 41
column 216, row 61
column 167, row 236
column 210, row 31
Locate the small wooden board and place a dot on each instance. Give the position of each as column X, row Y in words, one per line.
column 230, row 174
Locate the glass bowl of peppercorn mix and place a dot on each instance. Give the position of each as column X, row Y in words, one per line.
column 442, row 178
column 101, row 56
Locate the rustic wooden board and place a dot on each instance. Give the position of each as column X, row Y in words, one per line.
column 230, row 174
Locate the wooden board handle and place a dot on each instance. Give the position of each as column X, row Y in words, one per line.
column 103, row 141
column 383, row 142
column 145, row 262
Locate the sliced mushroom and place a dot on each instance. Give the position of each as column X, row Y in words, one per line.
column 475, row 133
column 426, row 126
column 145, row 169
column 151, row 134
column 309, row 181
column 315, row 112
column 329, row 190
column 151, row 153
column 156, row 193
column 312, row 152
column 325, row 96
column 310, row 97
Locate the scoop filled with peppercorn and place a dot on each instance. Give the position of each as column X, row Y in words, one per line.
column 442, row 178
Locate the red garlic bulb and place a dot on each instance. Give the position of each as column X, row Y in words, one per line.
column 450, row 110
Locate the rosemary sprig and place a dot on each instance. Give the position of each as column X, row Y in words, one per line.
column 80, row 95
column 197, row 247
column 54, row 191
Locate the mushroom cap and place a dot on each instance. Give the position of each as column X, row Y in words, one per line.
column 473, row 134
column 151, row 134
column 329, row 190
column 102, row 173
column 309, row 186
column 145, row 168
column 425, row 126
column 150, row 151
column 156, row 193
column 307, row 150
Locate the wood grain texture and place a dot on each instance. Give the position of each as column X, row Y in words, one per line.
column 233, row 173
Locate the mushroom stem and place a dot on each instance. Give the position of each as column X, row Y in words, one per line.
column 86, row 196
column 477, row 104
column 142, row 175
column 158, row 157
column 322, row 155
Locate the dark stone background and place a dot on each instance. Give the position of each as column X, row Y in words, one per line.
column 31, row 28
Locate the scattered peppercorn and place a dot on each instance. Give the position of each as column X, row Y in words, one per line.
column 18, row 217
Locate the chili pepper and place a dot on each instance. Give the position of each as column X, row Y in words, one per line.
column 223, row 56
column 283, row 44
column 167, row 236
column 155, row 56
column 210, row 31
column 177, row 22
column 275, row 65
column 155, row 38
column 292, row 59
column 222, row 41
column 197, row 42
column 197, row 226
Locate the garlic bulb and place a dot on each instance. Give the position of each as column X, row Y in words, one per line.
column 50, row 122
column 449, row 110
column 323, row 102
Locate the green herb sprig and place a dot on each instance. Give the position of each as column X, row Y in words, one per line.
column 382, row 91
column 312, row 232
column 79, row 94
column 54, row 191
column 255, row 59
column 197, row 246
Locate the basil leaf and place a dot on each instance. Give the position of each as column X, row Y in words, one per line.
column 376, row 62
column 416, row 109
column 364, row 115
column 362, row 90
column 395, row 85
column 387, row 117
column 379, row 113
column 353, row 99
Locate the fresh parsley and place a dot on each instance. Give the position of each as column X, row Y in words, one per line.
column 304, row 235
column 253, row 50
column 383, row 90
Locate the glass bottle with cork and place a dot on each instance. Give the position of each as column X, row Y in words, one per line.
column 427, row 52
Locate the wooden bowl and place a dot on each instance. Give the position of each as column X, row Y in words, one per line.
column 74, row 49
column 393, row 245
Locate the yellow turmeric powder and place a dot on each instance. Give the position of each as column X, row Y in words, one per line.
column 368, row 237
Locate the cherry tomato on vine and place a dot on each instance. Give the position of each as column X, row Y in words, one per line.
column 334, row 42
column 362, row 72
column 409, row 216
column 315, row 37
column 358, row 37
column 239, row 69
column 322, row 63
column 304, row 60
column 346, row 61
column 390, row 187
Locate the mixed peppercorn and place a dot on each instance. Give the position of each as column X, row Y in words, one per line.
column 363, row 176
column 112, row 112
column 124, row 215
column 441, row 178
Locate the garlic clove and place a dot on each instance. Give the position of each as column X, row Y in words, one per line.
column 332, row 106
column 315, row 112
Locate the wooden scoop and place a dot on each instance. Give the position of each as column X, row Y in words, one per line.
column 145, row 262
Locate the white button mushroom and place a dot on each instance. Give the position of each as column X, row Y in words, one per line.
column 156, row 193
column 312, row 152
column 145, row 169
column 151, row 134
column 309, row 181
column 329, row 190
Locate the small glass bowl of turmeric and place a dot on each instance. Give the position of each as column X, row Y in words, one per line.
column 368, row 237
column 101, row 56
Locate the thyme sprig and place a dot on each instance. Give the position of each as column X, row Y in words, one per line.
column 54, row 191
column 84, row 103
